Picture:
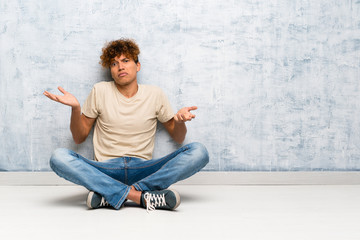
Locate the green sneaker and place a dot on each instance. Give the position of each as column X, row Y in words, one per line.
column 163, row 199
column 95, row 200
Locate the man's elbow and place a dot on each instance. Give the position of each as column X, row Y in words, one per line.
column 79, row 140
column 179, row 139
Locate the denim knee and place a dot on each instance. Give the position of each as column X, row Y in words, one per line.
column 201, row 153
column 58, row 157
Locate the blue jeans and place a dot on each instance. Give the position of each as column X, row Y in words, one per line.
column 113, row 178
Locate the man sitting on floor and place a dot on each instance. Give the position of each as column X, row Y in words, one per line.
column 125, row 115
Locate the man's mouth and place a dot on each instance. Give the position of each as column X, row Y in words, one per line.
column 122, row 74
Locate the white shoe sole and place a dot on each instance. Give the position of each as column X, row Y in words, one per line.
column 89, row 198
column 178, row 200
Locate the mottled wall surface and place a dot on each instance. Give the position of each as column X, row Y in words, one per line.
column 276, row 82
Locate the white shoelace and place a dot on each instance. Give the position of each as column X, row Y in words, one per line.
column 154, row 200
column 104, row 203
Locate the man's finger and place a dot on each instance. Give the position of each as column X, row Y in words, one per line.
column 178, row 116
column 192, row 108
column 61, row 90
column 49, row 95
column 182, row 117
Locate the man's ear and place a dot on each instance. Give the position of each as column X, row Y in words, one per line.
column 138, row 66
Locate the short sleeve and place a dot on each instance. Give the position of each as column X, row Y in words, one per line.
column 165, row 112
column 90, row 108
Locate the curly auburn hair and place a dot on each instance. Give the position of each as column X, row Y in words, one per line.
column 113, row 49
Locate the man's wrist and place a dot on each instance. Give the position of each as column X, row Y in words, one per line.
column 76, row 108
column 179, row 123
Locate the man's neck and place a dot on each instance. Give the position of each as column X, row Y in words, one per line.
column 128, row 91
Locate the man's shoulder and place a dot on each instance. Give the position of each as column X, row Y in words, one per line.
column 103, row 85
column 151, row 88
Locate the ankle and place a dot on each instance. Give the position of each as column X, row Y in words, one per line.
column 134, row 195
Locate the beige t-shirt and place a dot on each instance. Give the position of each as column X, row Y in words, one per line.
column 125, row 126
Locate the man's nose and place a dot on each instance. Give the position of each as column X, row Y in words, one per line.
column 121, row 66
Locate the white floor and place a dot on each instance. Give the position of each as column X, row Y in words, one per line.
column 206, row 212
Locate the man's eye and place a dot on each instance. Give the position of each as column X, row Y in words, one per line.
column 113, row 64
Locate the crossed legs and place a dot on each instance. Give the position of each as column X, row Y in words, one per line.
column 126, row 177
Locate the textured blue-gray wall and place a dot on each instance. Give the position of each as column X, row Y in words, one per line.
column 276, row 82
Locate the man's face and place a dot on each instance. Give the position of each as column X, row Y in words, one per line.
column 124, row 70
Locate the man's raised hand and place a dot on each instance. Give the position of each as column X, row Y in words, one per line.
column 67, row 98
column 184, row 114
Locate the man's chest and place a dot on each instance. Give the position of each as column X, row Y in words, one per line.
column 131, row 118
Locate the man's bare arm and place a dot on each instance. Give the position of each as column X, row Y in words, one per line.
column 80, row 125
column 176, row 126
